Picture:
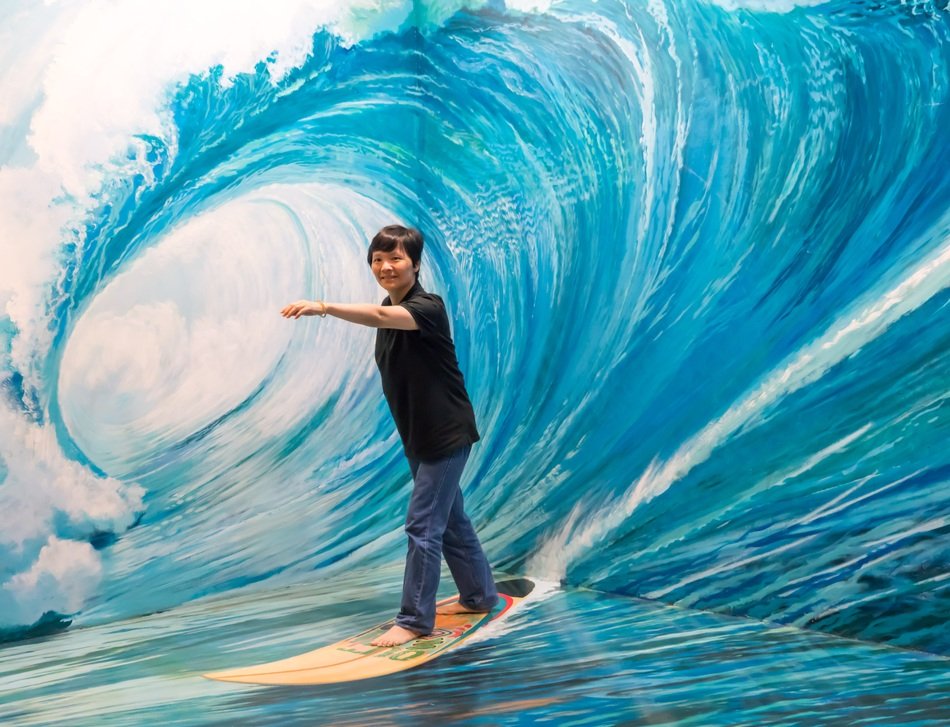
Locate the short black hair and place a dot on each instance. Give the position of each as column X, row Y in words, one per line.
column 392, row 236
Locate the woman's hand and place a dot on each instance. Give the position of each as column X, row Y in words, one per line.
column 303, row 308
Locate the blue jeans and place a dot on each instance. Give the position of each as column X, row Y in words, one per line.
column 437, row 525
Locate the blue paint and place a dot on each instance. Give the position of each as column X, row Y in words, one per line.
column 694, row 262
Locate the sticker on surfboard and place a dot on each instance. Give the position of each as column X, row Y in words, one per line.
column 356, row 658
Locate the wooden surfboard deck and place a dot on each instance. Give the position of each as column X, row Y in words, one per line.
column 355, row 658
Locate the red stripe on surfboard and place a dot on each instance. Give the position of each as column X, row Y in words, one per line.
column 508, row 603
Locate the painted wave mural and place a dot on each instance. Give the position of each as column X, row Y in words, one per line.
column 697, row 257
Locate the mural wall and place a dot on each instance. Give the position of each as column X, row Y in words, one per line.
column 697, row 256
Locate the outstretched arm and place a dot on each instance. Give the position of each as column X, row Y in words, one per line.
column 366, row 314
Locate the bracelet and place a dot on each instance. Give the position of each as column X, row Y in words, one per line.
column 323, row 313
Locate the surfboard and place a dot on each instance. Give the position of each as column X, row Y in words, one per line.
column 355, row 658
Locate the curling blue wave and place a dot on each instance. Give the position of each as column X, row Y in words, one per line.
column 640, row 216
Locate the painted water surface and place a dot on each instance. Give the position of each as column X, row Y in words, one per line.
column 575, row 657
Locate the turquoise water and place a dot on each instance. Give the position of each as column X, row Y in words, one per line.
column 697, row 259
column 575, row 657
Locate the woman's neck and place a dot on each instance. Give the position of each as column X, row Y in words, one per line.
column 396, row 297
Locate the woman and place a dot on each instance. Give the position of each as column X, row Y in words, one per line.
column 427, row 397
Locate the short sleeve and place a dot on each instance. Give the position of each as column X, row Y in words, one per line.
column 428, row 311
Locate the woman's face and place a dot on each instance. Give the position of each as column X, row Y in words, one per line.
column 394, row 270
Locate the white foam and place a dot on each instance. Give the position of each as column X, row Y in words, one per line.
column 114, row 63
column 28, row 263
column 63, row 576
column 192, row 327
column 529, row 6
column 768, row 6
column 543, row 590
column 42, row 482
column 41, row 487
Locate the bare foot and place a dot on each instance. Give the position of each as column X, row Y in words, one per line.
column 455, row 607
column 394, row 637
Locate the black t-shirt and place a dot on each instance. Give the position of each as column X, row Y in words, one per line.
column 422, row 381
